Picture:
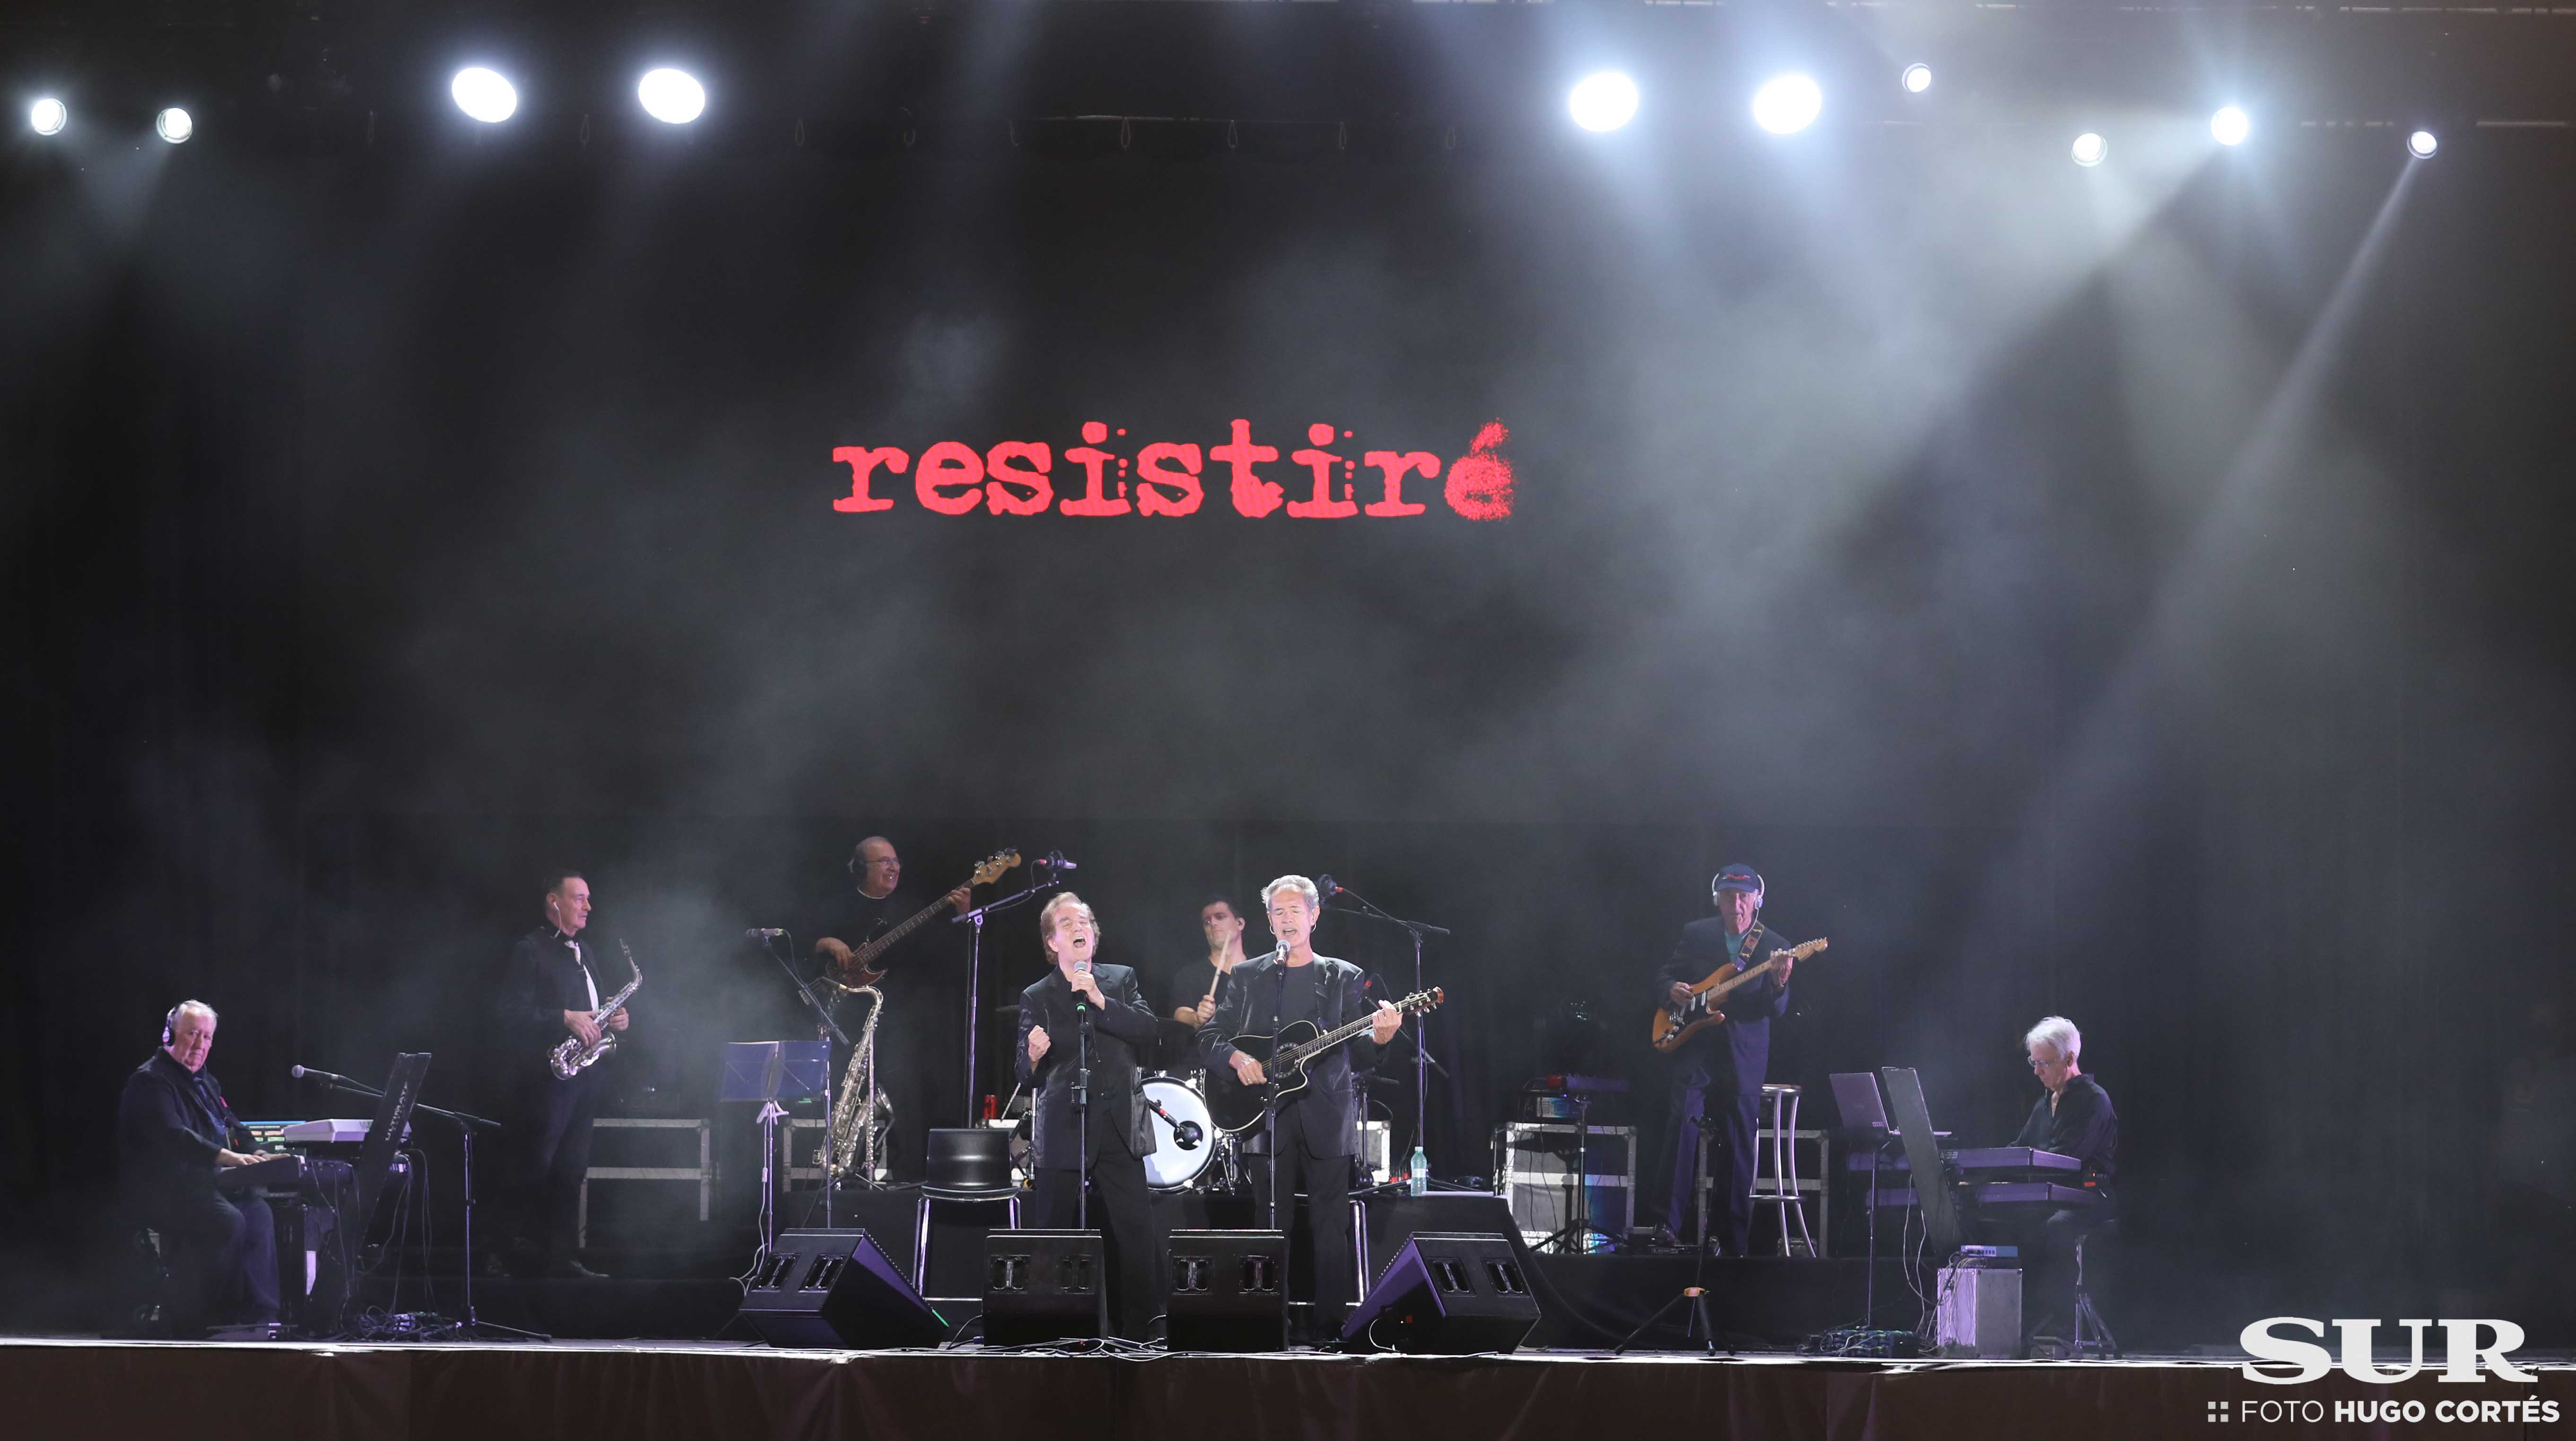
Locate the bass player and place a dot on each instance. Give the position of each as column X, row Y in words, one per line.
column 918, row 1060
column 1717, row 1075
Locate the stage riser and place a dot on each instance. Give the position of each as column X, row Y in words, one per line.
column 70, row 1392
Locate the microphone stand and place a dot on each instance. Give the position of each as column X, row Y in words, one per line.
column 1082, row 1113
column 466, row 1124
column 975, row 964
column 1422, row 1061
column 827, row 1031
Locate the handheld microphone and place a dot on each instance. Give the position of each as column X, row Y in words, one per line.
column 1081, row 967
column 763, row 933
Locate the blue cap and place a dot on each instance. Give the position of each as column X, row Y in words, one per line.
column 1737, row 877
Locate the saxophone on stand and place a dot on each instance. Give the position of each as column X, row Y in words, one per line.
column 855, row 1127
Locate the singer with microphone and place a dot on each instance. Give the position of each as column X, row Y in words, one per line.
column 1080, row 1031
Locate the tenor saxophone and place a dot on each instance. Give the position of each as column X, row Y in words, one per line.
column 854, row 1129
column 568, row 1058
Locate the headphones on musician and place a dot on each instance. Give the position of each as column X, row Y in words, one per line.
column 170, row 1024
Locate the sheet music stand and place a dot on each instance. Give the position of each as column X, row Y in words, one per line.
column 770, row 1072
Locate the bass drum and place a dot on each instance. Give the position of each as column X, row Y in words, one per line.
column 1174, row 1167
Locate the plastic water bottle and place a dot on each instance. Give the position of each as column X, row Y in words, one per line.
column 1421, row 1182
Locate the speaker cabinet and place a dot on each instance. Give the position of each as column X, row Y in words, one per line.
column 1446, row 1293
column 1044, row 1286
column 1229, row 1291
column 835, row 1288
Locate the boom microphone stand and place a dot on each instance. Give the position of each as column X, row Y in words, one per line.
column 1422, row 1061
column 466, row 1124
column 1042, row 877
column 827, row 1031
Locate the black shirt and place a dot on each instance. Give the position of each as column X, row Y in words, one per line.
column 1197, row 981
column 2082, row 1125
column 170, row 1122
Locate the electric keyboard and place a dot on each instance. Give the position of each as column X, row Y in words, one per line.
column 277, row 1173
column 1989, row 1196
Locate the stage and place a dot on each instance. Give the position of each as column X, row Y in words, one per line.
column 643, row 1391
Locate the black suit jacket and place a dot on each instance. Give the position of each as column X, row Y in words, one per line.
column 542, row 983
column 1734, row 1057
column 169, row 1125
column 1328, row 1113
column 1119, row 1031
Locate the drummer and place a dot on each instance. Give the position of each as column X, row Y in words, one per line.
column 1199, row 987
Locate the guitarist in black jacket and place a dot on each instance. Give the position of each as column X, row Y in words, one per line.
column 1717, row 1076
column 1110, row 1145
column 1317, row 1133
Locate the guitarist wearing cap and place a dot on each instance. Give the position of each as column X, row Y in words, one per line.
column 1717, row 1081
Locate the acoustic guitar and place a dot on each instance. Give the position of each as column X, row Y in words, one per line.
column 1676, row 1024
column 1284, row 1058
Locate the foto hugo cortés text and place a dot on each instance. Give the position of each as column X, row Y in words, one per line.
column 1177, row 478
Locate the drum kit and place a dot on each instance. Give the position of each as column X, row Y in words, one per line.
column 1190, row 1153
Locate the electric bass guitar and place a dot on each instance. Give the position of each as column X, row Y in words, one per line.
column 863, row 969
column 1675, row 1024
column 1284, row 1058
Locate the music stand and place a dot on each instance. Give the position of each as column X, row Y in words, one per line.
column 387, row 1131
column 770, row 1072
column 1923, row 1158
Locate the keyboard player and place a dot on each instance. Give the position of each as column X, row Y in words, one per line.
column 174, row 1134
column 2072, row 1117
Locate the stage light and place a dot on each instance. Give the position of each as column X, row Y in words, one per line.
column 1787, row 104
column 673, row 97
column 49, row 116
column 1917, row 78
column 484, row 95
column 1603, row 102
column 2422, row 144
column 174, row 125
column 2230, row 127
column 2091, row 149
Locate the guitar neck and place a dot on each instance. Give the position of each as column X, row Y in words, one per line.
column 1339, row 1034
column 878, row 947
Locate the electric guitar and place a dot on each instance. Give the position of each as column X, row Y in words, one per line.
column 863, row 969
column 1284, row 1058
column 1677, row 1024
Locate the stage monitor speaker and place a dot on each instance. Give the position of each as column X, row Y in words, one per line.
column 835, row 1288
column 1044, row 1286
column 1229, row 1291
column 1446, row 1293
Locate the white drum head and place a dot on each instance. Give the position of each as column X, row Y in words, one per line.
column 1170, row 1168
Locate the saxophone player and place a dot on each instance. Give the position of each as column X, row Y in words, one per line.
column 551, row 991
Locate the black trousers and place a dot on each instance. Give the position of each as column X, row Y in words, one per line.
column 223, row 1259
column 1325, row 1182
column 550, row 1155
column 1121, row 1211
column 2048, row 1270
column 1728, row 1119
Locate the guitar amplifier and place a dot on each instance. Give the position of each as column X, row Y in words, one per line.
column 1535, row 1167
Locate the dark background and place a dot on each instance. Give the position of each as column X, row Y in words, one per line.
column 2137, row 594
